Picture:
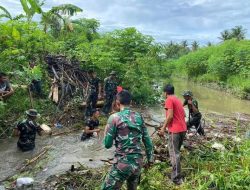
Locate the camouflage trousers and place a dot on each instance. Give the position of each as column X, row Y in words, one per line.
column 91, row 103
column 123, row 171
column 174, row 145
column 108, row 103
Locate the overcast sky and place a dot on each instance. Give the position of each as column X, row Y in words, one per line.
column 165, row 20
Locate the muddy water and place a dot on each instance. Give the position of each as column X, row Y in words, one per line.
column 213, row 100
column 68, row 150
column 65, row 151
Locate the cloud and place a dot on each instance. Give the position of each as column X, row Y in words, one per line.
column 165, row 20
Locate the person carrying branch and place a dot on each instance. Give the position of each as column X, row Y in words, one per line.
column 110, row 90
column 194, row 118
column 6, row 89
column 175, row 123
column 94, row 86
column 26, row 130
column 91, row 125
column 126, row 130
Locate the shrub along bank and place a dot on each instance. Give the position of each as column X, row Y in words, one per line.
column 226, row 64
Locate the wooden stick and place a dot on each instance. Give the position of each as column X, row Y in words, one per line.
column 44, row 151
column 31, row 99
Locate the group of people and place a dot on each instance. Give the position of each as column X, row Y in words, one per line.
column 125, row 129
column 94, row 90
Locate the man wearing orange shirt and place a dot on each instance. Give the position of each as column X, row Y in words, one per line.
column 176, row 125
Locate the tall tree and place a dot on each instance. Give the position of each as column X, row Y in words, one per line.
column 225, row 35
column 66, row 11
column 238, row 32
column 89, row 26
column 209, row 44
column 195, row 45
column 184, row 44
column 59, row 17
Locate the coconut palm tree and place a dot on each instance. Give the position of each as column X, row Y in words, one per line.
column 209, row 44
column 225, row 35
column 195, row 45
column 238, row 32
column 184, row 44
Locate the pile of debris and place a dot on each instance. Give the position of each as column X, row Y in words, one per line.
column 68, row 79
column 77, row 178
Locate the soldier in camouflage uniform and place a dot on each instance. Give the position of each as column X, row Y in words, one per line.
column 110, row 90
column 26, row 130
column 94, row 92
column 194, row 117
column 126, row 128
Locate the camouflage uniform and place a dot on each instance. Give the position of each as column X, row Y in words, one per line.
column 110, row 88
column 93, row 95
column 194, row 118
column 127, row 129
column 28, row 130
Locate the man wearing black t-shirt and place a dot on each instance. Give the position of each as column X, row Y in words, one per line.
column 91, row 125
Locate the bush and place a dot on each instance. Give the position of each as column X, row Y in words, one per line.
column 227, row 63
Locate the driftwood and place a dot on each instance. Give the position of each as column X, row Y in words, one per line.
column 39, row 155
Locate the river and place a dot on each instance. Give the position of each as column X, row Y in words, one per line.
column 68, row 150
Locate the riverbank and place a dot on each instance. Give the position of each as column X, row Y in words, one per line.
column 219, row 86
column 225, row 64
column 218, row 161
column 203, row 166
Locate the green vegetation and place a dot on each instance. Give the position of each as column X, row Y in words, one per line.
column 23, row 41
column 204, row 169
column 226, row 64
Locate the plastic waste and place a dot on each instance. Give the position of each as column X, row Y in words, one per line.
column 218, row 146
column 58, row 125
column 24, row 181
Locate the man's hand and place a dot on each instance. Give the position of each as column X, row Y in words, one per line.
column 190, row 102
column 161, row 132
column 98, row 130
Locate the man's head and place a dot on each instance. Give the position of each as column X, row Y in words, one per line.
column 95, row 113
column 113, row 74
column 187, row 95
column 123, row 98
column 168, row 89
column 32, row 114
column 3, row 77
column 92, row 73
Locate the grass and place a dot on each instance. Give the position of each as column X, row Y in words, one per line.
column 206, row 169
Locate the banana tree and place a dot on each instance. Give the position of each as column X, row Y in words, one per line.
column 31, row 7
